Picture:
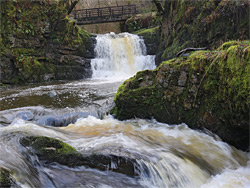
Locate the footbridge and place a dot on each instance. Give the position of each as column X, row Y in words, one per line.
column 104, row 15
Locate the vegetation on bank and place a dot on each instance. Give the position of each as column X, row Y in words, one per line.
column 34, row 36
column 203, row 23
column 207, row 89
column 193, row 24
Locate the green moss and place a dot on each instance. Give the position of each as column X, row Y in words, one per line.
column 226, row 45
column 48, row 145
column 147, row 32
column 214, row 93
column 5, row 179
column 140, row 21
column 215, row 22
column 31, row 29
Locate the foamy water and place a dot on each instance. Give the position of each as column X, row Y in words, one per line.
column 168, row 156
column 120, row 56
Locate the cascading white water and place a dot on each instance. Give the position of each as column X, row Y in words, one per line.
column 120, row 56
column 163, row 156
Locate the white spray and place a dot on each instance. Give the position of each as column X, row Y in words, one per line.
column 119, row 56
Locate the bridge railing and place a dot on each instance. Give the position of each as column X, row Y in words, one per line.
column 105, row 13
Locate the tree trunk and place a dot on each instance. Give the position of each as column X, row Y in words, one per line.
column 158, row 6
column 72, row 6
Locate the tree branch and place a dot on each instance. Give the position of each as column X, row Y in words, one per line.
column 72, row 6
column 189, row 50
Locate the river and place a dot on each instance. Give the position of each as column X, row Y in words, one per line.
column 75, row 112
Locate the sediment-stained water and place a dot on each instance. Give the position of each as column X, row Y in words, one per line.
column 76, row 113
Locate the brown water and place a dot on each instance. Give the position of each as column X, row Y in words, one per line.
column 167, row 156
column 174, row 156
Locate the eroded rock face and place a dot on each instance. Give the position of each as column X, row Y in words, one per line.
column 47, row 46
column 51, row 150
column 208, row 89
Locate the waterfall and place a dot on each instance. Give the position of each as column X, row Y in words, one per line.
column 119, row 56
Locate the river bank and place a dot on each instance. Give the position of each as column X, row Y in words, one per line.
column 40, row 43
column 183, row 124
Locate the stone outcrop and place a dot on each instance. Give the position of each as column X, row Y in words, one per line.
column 202, row 24
column 207, row 89
column 40, row 43
column 51, row 150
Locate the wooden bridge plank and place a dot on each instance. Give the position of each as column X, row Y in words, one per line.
column 105, row 14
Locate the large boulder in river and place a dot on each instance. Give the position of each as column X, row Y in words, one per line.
column 208, row 89
column 51, row 150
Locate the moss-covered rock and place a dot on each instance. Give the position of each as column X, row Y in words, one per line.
column 202, row 23
column 53, row 150
column 208, row 89
column 5, row 178
column 151, row 38
column 35, row 37
column 142, row 21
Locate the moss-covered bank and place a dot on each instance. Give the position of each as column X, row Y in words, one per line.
column 39, row 42
column 202, row 23
column 192, row 24
column 208, row 89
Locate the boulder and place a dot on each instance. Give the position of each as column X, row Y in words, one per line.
column 51, row 150
column 208, row 89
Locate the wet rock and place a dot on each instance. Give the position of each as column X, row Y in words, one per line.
column 151, row 39
column 52, row 93
column 25, row 115
column 50, row 120
column 51, row 150
column 63, row 120
column 199, row 98
column 5, row 179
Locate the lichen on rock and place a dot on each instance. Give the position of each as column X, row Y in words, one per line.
column 208, row 89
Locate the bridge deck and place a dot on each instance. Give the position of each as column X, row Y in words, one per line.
column 104, row 15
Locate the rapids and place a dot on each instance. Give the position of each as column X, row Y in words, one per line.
column 75, row 112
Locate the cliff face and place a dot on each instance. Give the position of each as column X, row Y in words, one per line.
column 193, row 24
column 202, row 23
column 40, row 43
column 208, row 89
